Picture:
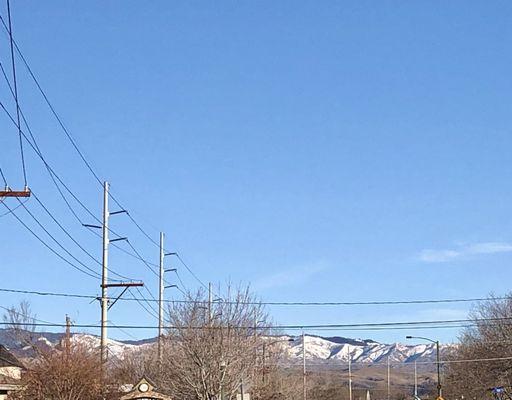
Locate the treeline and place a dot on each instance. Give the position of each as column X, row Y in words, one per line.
column 483, row 360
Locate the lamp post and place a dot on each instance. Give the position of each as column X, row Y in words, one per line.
column 438, row 361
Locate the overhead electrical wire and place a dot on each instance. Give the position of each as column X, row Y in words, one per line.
column 95, row 275
column 149, row 311
column 13, row 64
column 354, row 326
column 54, row 174
column 77, row 149
column 355, row 303
column 30, row 317
column 75, row 241
column 56, row 241
column 3, row 177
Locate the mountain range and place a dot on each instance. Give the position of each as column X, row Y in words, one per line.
column 319, row 350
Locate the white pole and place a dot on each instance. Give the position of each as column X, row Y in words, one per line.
column 415, row 380
column 104, row 276
column 303, row 366
column 161, row 298
column 350, row 376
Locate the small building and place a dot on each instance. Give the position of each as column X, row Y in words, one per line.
column 144, row 390
column 10, row 373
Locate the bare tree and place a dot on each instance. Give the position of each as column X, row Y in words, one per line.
column 73, row 374
column 489, row 337
column 20, row 323
column 212, row 348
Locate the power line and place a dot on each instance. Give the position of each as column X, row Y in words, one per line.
column 82, row 156
column 74, row 240
column 14, row 208
column 359, row 326
column 273, row 303
column 341, row 364
column 150, row 312
column 16, row 93
column 23, row 315
column 3, row 177
column 55, row 240
column 54, row 176
column 95, row 275
column 13, row 43
column 191, row 272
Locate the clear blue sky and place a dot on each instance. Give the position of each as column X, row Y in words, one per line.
column 318, row 150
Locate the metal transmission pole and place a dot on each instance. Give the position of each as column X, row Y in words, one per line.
column 161, row 288
column 161, row 298
column 104, row 272
column 104, row 275
column 303, row 366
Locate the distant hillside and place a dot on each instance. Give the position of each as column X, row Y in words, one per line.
column 321, row 350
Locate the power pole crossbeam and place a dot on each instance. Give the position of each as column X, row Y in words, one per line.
column 15, row 193
column 124, row 284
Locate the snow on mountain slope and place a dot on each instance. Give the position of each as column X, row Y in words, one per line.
column 318, row 349
column 335, row 350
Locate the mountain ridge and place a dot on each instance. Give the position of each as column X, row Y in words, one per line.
column 328, row 350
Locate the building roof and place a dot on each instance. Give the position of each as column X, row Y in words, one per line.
column 7, row 359
column 144, row 390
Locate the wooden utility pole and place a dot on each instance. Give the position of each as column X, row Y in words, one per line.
column 67, row 343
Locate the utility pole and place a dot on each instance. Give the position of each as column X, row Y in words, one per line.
column 68, row 335
column 104, row 272
column 263, row 362
column 104, row 275
column 303, row 366
column 389, row 379
column 350, row 376
column 210, row 299
column 415, row 381
column 161, row 298
column 438, row 359
column 161, row 288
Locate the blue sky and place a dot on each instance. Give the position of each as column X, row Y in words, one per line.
column 321, row 151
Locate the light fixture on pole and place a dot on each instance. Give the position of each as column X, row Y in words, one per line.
column 438, row 362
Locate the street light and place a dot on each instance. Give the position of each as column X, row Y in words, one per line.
column 436, row 342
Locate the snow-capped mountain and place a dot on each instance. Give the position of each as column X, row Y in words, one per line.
column 337, row 349
column 318, row 349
